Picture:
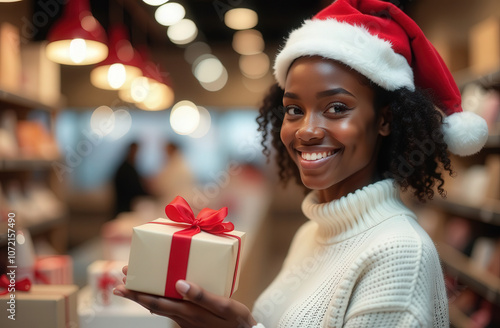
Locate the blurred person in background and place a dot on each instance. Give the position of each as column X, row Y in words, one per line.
column 127, row 183
column 175, row 178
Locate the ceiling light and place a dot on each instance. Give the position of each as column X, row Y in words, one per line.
column 248, row 42
column 241, row 18
column 254, row 66
column 102, row 120
column 208, row 69
column 155, row 2
column 204, row 125
column 182, row 32
column 170, row 13
column 210, row 72
column 153, row 90
column 159, row 97
column 217, row 84
column 195, row 50
column 122, row 124
column 184, row 117
column 122, row 64
column 77, row 38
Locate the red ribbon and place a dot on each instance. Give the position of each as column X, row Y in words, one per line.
column 40, row 277
column 105, row 283
column 23, row 285
column 207, row 220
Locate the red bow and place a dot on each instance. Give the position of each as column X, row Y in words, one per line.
column 207, row 220
column 104, row 284
column 23, row 285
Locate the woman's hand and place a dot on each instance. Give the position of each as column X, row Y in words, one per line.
column 199, row 308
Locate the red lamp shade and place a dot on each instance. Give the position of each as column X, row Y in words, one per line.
column 122, row 65
column 77, row 38
column 153, row 90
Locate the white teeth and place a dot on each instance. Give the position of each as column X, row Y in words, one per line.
column 315, row 156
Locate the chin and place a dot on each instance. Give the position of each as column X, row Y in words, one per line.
column 313, row 183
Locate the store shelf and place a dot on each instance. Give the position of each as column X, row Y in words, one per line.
column 18, row 101
column 9, row 165
column 489, row 212
column 35, row 229
column 482, row 282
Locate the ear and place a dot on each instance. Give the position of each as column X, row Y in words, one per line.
column 384, row 123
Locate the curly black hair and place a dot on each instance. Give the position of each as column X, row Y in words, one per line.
column 414, row 154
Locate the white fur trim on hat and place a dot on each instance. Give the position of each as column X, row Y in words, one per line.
column 352, row 45
column 465, row 133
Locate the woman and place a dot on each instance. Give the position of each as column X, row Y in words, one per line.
column 349, row 121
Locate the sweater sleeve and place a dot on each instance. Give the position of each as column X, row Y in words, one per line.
column 400, row 284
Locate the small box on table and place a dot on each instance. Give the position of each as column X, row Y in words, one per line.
column 43, row 306
column 103, row 276
column 210, row 260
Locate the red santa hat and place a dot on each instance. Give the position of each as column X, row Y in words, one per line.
column 381, row 42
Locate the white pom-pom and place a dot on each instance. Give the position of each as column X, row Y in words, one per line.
column 465, row 133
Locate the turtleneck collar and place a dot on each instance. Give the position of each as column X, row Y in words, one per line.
column 354, row 213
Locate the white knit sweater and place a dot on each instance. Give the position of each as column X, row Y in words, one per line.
column 361, row 261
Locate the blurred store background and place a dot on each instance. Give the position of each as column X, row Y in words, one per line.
column 166, row 104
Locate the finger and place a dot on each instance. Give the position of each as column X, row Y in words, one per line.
column 125, row 269
column 155, row 304
column 218, row 305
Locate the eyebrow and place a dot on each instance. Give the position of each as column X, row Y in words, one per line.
column 321, row 94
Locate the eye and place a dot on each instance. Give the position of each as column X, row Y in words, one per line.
column 293, row 110
column 337, row 108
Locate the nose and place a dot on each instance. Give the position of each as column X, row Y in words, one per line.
column 310, row 129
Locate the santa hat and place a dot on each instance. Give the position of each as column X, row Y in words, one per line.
column 381, row 42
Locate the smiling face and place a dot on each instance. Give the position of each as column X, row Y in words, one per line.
column 330, row 128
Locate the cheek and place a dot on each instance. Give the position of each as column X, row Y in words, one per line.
column 286, row 134
column 356, row 136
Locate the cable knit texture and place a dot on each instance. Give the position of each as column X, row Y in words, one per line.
column 361, row 261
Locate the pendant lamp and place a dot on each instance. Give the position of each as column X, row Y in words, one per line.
column 153, row 90
column 122, row 65
column 77, row 38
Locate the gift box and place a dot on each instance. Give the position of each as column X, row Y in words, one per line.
column 203, row 250
column 43, row 306
column 54, row 270
column 103, row 276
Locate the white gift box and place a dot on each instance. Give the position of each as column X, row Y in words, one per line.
column 211, row 261
column 103, row 276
